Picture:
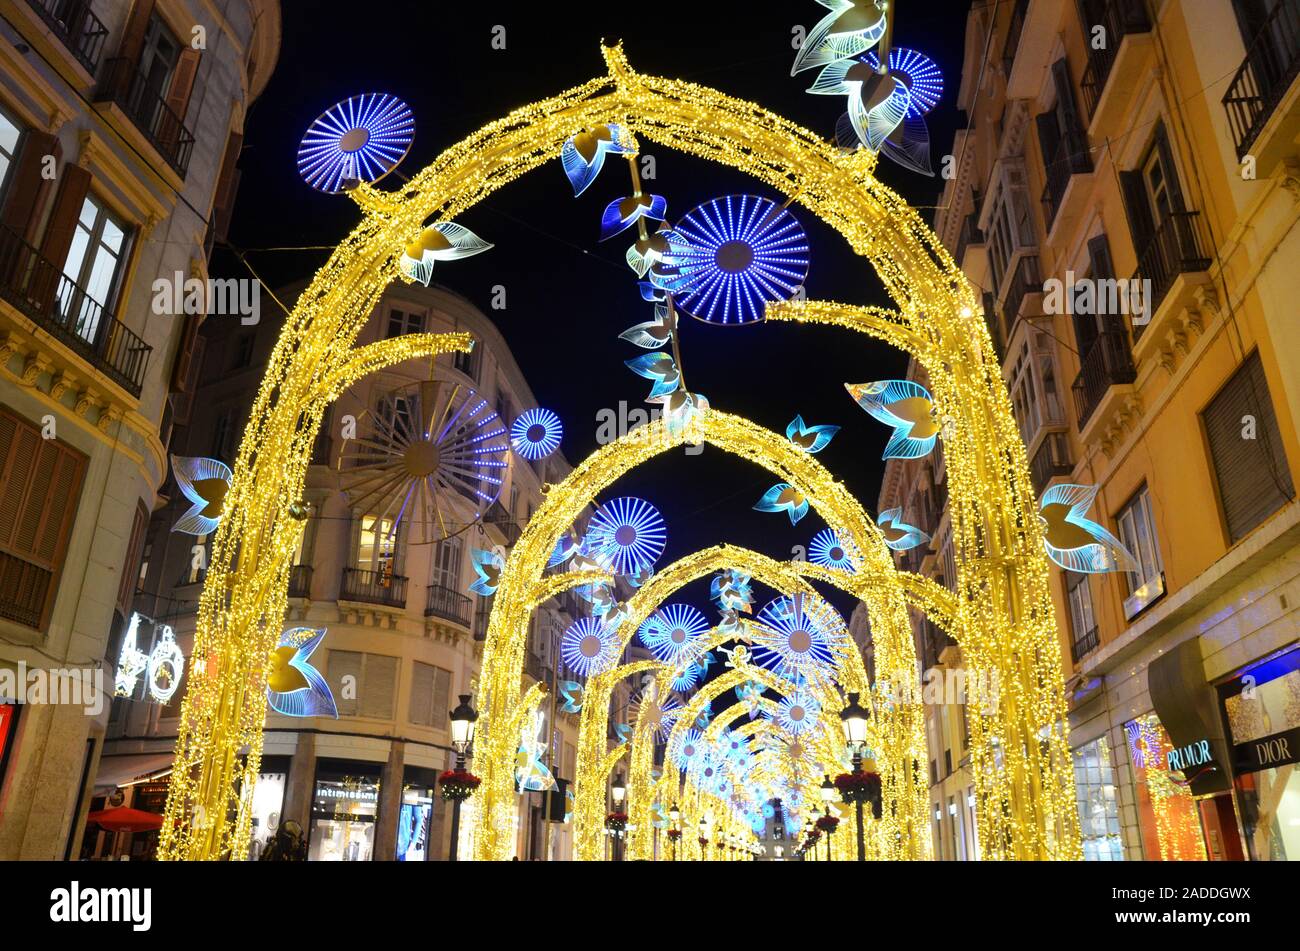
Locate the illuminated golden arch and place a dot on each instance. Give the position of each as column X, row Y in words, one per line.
column 1004, row 619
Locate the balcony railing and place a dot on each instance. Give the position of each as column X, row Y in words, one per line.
column 447, row 604
column 1271, row 65
column 970, row 234
column 1072, row 158
column 36, row 286
column 482, row 614
column 79, row 29
column 24, row 588
column 498, row 515
column 146, row 107
column 373, row 587
column 1107, row 363
column 1025, row 280
column 1052, row 458
column 1119, row 18
column 1081, row 647
column 1180, row 246
column 300, row 581
column 1013, row 35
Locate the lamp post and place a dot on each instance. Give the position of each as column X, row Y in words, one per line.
column 854, row 719
column 675, row 823
column 828, row 793
column 463, row 720
column 618, row 792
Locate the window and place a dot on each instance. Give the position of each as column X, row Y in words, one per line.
column 221, row 432
column 93, row 265
column 375, row 544
column 1250, row 465
column 467, row 363
column 1137, row 530
column 1082, row 623
column 1094, row 784
column 370, row 690
column 1011, row 229
column 395, row 418
column 159, row 56
column 9, row 132
column 430, row 696
column 401, row 322
column 196, row 571
column 40, row 486
column 446, row 564
column 243, row 355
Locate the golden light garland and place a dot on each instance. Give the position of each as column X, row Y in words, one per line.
column 1003, row 615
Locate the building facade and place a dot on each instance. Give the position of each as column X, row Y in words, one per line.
column 120, row 126
column 1126, row 195
column 404, row 635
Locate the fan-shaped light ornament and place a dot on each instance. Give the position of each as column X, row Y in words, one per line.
column 588, row 647
column 441, row 241
column 687, row 677
column 626, row 535
column 293, row 686
column 899, row 535
column 1073, row 540
column 784, row 497
column 673, row 633
column 583, row 155
column 800, row 635
column 205, row 483
column 825, row 550
column 358, row 140
column 797, row 713
column 688, row 745
column 433, row 461
column 536, row 433
column 707, row 771
column 906, row 406
column 733, row 255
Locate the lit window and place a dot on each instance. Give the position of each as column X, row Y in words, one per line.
column 1137, row 531
column 92, row 266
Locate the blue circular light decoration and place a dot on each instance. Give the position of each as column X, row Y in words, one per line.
column 733, row 255
column 924, row 80
column 359, row 139
column 626, row 535
column 588, row 647
column 800, row 636
column 687, row 678
column 797, row 713
column 825, row 550
column 536, row 433
column 689, row 747
column 672, row 632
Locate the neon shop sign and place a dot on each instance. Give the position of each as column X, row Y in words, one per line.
column 162, row 667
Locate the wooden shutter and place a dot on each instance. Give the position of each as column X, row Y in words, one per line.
column 1103, row 268
column 27, row 188
column 420, row 709
column 223, row 202
column 441, row 697
column 1049, row 137
column 74, row 185
column 182, row 84
column 133, row 36
column 1138, row 206
column 1066, row 107
column 42, row 485
column 1171, row 170
column 131, row 562
column 378, row 687
column 344, row 664
column 1253, row 477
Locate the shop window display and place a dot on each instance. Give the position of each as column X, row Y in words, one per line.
column 343, row 813
column 1167, row 813
column 268, row 802
column 1094, row 779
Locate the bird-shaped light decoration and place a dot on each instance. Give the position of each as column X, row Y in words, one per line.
column 906, row 406
column 852, row 27
column 811, row 439
column 1074, row 541
column 622, row 733
column 293, row 686
column 571, row 693
column 652, row 334
column 488, row 566
column 441, row 241
column 644, row 253
column 583, row 155
column 731, row 590
column 898, row 534
column 205, row 483
column 566, row 546
column 733, row 626
column 680, row 409
column 658, row 367
column 621, row 213
column 878, row 102
column 784, row 497
column 705, row 718
column 531, row 774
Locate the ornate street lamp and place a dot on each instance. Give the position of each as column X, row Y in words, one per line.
column 859, row 788
column 674, row 827
column 618, row 792
column 463, row 720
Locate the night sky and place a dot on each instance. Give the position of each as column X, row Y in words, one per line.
column 568, row 295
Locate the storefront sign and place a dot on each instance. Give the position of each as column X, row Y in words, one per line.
column 1186, row 706
column 164, row 665
column 1263, row 716
column 1188, row 758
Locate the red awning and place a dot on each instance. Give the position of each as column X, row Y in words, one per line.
column 123, row 819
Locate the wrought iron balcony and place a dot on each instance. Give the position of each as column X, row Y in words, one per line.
column 1107, row 363
column 1119, row 18
column 1180, row 246
column 1081, row 647
column 1052, row 458
column 134, row 95
column 36, row 286
column 1271, row 65
column 373, row 587
column 482, row 614
column 78, row 29
column 447, row 604
column 1072, row 158
column 300, row 581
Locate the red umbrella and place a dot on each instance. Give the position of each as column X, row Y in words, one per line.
column 123, row 819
